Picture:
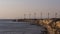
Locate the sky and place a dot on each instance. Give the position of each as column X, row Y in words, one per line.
column 15, row 9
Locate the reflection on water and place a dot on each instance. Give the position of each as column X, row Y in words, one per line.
column 9, row 27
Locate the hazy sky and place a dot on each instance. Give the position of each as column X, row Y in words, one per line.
column 17, row 8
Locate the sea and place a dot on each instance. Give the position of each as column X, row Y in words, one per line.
column 11, row 27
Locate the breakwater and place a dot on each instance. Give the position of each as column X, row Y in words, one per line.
column 52, row 25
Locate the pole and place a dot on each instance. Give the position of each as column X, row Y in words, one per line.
column 41, row 15
column 34, row 15
column 24, row 16
column 30, row 16
column 55, row 15
column 48, row 15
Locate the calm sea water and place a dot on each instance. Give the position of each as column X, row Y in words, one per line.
column 10, row 27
